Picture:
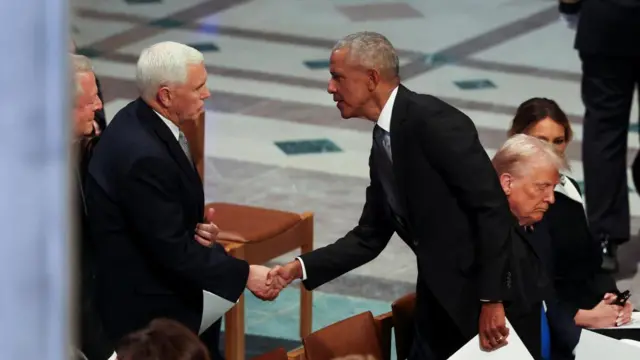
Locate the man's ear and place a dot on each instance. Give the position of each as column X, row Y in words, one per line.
column 506, row 181
column 374, row 79
column 165, row 97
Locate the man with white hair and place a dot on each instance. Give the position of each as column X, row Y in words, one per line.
column 433, row 184
column 528, row 169
column 145, row 201
column 93, row 342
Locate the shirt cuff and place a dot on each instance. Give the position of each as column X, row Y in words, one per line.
column 304, row 270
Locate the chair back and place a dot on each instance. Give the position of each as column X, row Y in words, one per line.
column 403, row 314
column 356, row 335
column 277, row 354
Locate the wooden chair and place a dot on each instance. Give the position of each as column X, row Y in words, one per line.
column 358, row 335
column 403, row 313
column 277, row 354
column 256, row 235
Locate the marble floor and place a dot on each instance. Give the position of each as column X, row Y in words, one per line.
column 275, row 139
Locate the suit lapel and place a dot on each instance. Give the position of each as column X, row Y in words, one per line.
column 151, row 120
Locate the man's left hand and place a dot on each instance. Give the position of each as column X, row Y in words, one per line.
column 207, row 233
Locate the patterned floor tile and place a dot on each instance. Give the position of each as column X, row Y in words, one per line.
column 437, row 59
column 475, row 84
column 88, row 52
column 143, row 1
column 205, row 47
column 167, row 23
column 257, row 345
column 300, row 147
column 383, row 11
column 317, row 64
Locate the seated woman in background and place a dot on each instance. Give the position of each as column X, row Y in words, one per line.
column 163, row 339
column 581, row 286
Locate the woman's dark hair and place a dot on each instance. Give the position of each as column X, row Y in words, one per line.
column 163, row 339
column 536, row 109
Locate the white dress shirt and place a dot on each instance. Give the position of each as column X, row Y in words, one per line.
column 384, row 121
column 175, row 130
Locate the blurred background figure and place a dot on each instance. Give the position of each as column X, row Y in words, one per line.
column 607, row 42
column 163, row 339
column 93, row 341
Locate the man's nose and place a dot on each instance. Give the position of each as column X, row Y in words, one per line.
column 331, row 87
column 98, row 104
column 551, row 198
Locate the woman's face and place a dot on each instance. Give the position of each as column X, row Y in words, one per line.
column 551, row 132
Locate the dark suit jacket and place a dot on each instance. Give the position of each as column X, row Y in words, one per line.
column 144, row 199
column 609, row 27
column 458, row 223
column 579, row 281
column 532, row 283
column 94, row 343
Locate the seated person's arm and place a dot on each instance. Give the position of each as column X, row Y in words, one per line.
column 153, row 206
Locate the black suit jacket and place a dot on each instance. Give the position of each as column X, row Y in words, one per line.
column 609, row 27
column 144, row 200
column 531, row 283
column 94, row 343
column 458, row 220
column 579, row 279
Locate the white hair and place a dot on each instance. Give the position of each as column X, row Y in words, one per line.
column 163, row 64
column 81, row 65
column 522, row 151
column 371, row 50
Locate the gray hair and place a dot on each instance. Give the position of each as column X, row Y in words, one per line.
column 520, row 151
column 372, row 50
column 81, row 65
column 164, row 63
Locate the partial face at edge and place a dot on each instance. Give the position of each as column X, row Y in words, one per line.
column 550, row 131
column 87, row 103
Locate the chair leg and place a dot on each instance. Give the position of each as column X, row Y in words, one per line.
column 234, row 332
column 306, row 297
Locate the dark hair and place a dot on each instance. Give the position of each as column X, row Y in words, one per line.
column 163, row 339
column 536, row 109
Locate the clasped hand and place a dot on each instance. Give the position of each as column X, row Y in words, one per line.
column 266, row 283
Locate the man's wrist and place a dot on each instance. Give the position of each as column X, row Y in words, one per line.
column 296, row 266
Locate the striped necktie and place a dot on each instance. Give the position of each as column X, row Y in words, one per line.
column 184, row 144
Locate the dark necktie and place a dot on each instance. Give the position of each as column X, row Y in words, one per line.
column 384, row 167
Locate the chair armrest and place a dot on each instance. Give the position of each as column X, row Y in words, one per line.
column 296, row 354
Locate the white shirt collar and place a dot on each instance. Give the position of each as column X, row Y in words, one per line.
column 175, row 130
column 384, row 120
column 567, row 188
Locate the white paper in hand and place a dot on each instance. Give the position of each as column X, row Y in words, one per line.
column 594, row 346
column 213, row 308
column 515, row 349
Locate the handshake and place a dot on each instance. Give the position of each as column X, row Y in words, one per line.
column 266, row 283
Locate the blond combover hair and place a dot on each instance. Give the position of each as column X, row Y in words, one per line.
column 521, row 151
